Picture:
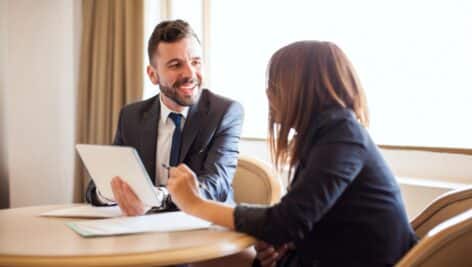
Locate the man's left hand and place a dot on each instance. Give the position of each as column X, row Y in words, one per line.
column 128, row 201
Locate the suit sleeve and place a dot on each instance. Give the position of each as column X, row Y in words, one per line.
column 330, row 169
column 91, row 195
column 222, row 157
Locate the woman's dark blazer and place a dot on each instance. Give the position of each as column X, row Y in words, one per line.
column 343, row 207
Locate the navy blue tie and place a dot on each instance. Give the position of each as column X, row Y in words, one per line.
column 176, row 139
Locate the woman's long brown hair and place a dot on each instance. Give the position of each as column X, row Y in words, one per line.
column 304, row 79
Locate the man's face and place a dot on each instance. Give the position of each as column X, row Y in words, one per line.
column 178, row 71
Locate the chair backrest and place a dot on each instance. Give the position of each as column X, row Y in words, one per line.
column 255, row 182
column 448, row 244
column 441, row 209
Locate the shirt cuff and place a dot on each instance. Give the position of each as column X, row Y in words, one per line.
column 162, row 194
column 103, row 200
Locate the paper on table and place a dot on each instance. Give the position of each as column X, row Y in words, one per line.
column 86, row 211
column 162, row 222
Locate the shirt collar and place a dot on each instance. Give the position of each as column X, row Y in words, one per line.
column 165, row 111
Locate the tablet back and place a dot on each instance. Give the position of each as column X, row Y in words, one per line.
column 105, row 162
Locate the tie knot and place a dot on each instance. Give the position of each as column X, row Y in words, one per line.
column 176, row 118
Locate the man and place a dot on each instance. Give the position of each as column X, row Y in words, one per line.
column 182, row 124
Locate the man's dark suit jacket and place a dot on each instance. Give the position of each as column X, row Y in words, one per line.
column 210, row 141
column 343, row 207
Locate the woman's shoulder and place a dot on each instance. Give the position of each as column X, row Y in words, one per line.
column 340, row 126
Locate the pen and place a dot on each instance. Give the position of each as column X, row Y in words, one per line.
column 200, row 184
column 167, row 167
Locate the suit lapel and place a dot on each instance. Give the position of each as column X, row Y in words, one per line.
column 148, row 142
column 196, row 117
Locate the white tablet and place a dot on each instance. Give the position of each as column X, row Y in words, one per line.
column 105, row 162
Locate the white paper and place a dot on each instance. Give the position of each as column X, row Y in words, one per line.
column 86, row 211
column 162, row 222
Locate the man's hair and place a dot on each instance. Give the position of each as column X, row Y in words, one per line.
column 169, row 31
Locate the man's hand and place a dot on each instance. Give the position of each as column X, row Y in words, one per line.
column 183, row 187
column 129, row 203
column 268, row 255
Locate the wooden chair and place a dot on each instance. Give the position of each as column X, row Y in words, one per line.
column 448, row 244
column 254, row 182
column 441, row 209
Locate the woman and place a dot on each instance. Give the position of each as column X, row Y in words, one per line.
column 343, row 207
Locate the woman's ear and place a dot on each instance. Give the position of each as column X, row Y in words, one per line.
column 152, row 73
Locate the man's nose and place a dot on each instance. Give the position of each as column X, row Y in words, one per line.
column 188, row 70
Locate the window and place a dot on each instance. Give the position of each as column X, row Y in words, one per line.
column 414, row 59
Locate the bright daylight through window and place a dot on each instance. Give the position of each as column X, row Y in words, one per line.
column 414, row 59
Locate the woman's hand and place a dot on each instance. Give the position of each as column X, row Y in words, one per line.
column 183, row 188
column 268, row 255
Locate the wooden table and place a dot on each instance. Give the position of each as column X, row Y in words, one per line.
column 29, row 240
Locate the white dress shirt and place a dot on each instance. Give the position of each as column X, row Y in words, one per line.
column 164, row 141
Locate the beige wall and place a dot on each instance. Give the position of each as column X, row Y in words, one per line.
column 38, row 93
column 437, row 166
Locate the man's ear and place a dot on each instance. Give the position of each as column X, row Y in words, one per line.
column 152, row 73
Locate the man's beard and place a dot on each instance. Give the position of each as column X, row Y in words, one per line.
column 172, row 92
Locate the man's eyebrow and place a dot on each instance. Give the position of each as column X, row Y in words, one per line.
column 172, row 61
column 176, row 60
